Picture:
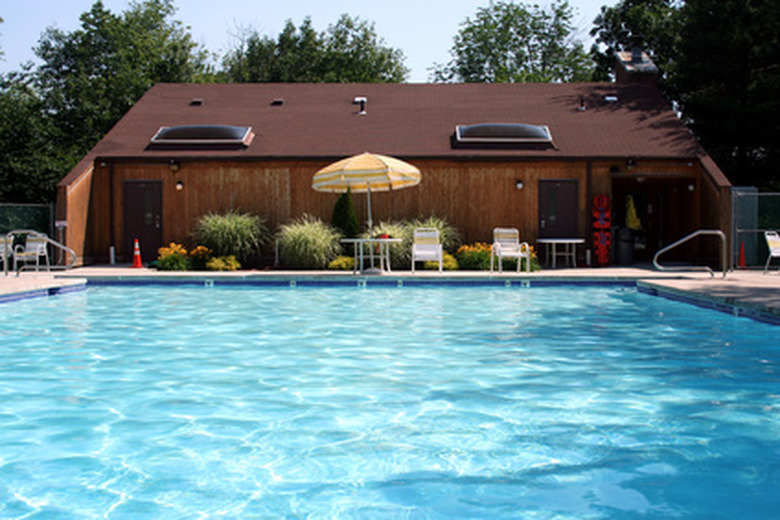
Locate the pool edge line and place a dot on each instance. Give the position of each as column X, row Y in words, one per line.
column 725, row 305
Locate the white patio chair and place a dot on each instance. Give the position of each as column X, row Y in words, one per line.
column 427, row 247
column 506, row 244
column 773, row 243
column 35, row 247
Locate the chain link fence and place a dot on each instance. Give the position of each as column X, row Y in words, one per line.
column 38, row 217
column 752, row 214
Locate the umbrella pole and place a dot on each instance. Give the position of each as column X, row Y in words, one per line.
column 370, row 222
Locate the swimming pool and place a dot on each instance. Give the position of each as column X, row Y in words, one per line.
column 385, row 403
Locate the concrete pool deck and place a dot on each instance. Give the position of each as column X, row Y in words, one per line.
column 745, row 292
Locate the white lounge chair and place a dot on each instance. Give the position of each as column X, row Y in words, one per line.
column 427, row 247
column 773, row 243
column 35, row 247
column 506, row 244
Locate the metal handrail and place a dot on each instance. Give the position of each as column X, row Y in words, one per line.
column 717, row 232
column 9, row 237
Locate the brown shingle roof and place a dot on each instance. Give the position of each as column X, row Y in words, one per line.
column 406, row 120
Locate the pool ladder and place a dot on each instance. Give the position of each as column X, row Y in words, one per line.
column 695, row 234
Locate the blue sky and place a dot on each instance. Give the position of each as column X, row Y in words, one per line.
column 422, row 29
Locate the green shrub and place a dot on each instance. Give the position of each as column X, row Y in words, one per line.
column 342, row 263
column 474, row 257
column 239, row 234
column 199, row 258
column 307, row 242
column 448, row 263
column 223, row 263
column 510, row 264
column 172, row 258
column 344, row 217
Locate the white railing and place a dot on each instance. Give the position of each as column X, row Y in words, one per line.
column 9, row 251
column 717, row 232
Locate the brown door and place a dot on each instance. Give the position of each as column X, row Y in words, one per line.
column 558, row 209
column 143, row 218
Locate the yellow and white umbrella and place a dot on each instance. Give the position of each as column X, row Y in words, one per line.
column 365, row 173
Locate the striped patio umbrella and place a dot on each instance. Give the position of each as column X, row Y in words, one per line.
column 365, row 173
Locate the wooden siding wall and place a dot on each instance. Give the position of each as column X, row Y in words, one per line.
column 474, row 196
column 73, row 206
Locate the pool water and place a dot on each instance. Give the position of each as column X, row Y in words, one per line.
column 372, row 403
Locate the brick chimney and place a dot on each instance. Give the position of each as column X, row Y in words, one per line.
column 635, row 66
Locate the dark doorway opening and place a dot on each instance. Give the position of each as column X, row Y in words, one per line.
column 666, row 210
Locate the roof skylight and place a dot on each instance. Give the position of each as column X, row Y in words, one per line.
column 502, row 133
column 203, row 135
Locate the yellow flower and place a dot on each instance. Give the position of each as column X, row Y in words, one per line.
column 172, row 249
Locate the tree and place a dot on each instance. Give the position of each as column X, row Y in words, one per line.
column 355, row 54
column 52, row 114
column 349, row 51
column 652, row 25
column 295, row 56
column 727, row 81
column 90, row 77
column 31, row 163
column 514, row 43
column 344, row 216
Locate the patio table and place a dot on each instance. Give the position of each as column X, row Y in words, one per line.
column 383, row 252
column 569, row 249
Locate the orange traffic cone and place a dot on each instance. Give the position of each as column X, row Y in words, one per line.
column 137, row 255
column 741, row 254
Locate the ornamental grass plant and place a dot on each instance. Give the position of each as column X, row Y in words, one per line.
column 307, row 242
column 448, row 234
column 400, row 253
column 233, row 234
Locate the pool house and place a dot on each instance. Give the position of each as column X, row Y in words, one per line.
column 529, row 156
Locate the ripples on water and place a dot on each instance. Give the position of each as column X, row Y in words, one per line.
column 385, row 403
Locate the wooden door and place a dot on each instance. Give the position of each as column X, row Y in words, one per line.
column 143, row 218
column 558, row 209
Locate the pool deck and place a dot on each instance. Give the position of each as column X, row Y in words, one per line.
column 744, row 292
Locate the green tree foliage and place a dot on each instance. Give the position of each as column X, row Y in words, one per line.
column 52, row 114
column 727, row 83
column 652, row 25
column 31, row 162
column 344, row 216
column 508, row 42
column 295, row 56
column 349, row 51
column 90, row 77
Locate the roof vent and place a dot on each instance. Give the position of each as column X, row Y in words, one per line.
column 277, row 102
column 511, row 135
column 360, row 100
column 196, row 102
column 611, row 99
